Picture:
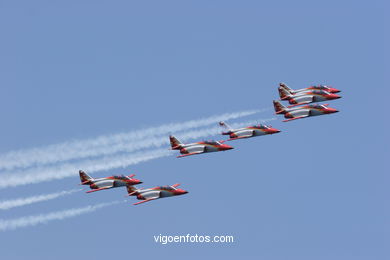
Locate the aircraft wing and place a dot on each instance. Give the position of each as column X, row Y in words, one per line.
column 102, row 188
column 143, row 201
column 188, row 154
column 294, row 118
column 240, row 137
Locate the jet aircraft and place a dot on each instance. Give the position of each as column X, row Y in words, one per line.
column 247, row 132
column 197, row 148
column 303, row 111
column 155, row 193
column 310, row 96
column 107, row 182
column 318, row 87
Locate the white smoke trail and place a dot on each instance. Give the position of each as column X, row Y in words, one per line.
column 45, row 218
column 48, row 173
column 158, row 141
column 13, row 203
column 99, row 146
column 43, row 174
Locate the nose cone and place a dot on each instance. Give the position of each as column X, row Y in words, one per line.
column 225, row 147
column 334, row 90
column 135, row 181
column 273, row 131
column 181, row 192
column 334, row 96
column 332, row 110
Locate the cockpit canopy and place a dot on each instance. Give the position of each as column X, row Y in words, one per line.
column 318, row 106
column 320, row 92
column 120, row 177
column 261, row 126
column 322, row 87
column 169, row 188
column 212, row 142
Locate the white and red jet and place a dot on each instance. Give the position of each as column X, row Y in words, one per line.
column 306, row 97
column 107, row 182
column 303, row 111
column 197, row 148
column 247, row 132
column 302, row 90
column 155, row 193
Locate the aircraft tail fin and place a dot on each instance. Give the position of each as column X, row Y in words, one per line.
column 279, row 108
column 283, row 93
column 131, row 190
column 85, row 178
column 225, row 125
column 282, row 85
column 175, row 143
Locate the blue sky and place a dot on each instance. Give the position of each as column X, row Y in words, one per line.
column 80, row 69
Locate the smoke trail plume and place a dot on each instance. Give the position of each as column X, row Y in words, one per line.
column 43, row 174
column 99, row 146
column 13, row 203
column 49, row 173
column 34, row 220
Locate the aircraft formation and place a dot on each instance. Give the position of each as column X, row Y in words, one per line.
column 301, row 97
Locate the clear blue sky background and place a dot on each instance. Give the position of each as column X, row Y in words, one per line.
column 318, row 190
